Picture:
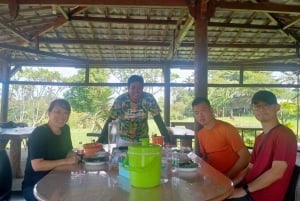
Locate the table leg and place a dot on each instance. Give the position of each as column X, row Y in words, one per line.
column 186, row 143
column 15, row 157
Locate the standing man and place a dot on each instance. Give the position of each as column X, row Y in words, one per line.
column 219, row 142
column 131, row 109
column 268, row 174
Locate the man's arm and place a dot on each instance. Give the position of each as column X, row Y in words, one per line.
column 270, row 176
column 267, row 178
column 240, row 164
column 103, row 138
column 162, row 128
column 241, row 175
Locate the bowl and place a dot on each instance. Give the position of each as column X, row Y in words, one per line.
column 92, row 148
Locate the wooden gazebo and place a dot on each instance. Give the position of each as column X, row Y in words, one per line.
column 192, row 34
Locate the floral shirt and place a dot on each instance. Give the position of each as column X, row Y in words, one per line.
column 133, row 124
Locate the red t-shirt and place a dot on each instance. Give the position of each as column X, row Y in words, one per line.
column 220, row 144
column 280, row 145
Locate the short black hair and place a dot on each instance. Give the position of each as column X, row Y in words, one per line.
column 264, row 96
column 60, row 102
column 199, row 100
column 135, row 78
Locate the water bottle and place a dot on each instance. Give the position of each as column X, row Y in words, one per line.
column 112, row 134
column 175, row 159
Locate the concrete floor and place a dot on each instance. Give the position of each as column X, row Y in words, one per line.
column 17, row 182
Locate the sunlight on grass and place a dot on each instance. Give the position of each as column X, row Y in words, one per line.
column 79, row 135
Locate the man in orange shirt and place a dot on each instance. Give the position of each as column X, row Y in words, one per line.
column 219, row 142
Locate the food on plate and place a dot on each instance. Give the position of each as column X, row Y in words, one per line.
column 92, row 148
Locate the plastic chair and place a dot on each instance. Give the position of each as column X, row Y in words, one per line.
column 291, row 194
column 5, row 176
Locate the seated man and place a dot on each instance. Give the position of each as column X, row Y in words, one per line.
column 220, row 143
column 268, row 174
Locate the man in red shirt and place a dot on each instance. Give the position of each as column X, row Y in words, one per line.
column 273, row 158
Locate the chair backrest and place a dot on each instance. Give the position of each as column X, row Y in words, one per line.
column 5, row 176
column 291, row 194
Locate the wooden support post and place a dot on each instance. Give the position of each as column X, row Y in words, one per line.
column 201, row 10
column 167, row 101
column 5, row 69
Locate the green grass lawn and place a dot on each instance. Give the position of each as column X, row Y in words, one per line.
column 79, row 135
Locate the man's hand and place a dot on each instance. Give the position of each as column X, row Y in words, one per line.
column 238, row 192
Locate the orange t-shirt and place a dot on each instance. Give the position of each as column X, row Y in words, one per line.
column 220, row 144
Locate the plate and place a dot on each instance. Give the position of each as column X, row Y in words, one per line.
column 187, row 169
column 96, row 160
column 95, row 163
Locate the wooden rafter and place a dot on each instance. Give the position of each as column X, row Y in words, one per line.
column 13, row 8
column 156, row 43
column 258, row 7
column 179, row 37
column 59, row 22
column 34, row 51
column 14, row 31
column 122, row 20
column 171, row 3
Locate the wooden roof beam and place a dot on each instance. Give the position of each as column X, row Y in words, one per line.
column 14, row 31
column 34, row 51
column 269, row 59
column 243, row 26
column 61, row 10
column 295, row 21
column 28, row 10
column 59, row 22
column 189, row 65
column 168, row 3
column 273, row 18
column 155, row 43
column 123, row 20
column 104, row 42
column 175, row 44
column 170, row 22
column 259, row 7
column 13, row 7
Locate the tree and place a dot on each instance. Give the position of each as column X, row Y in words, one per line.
column 29, row 103
column 92, row 102
column 149, row 75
